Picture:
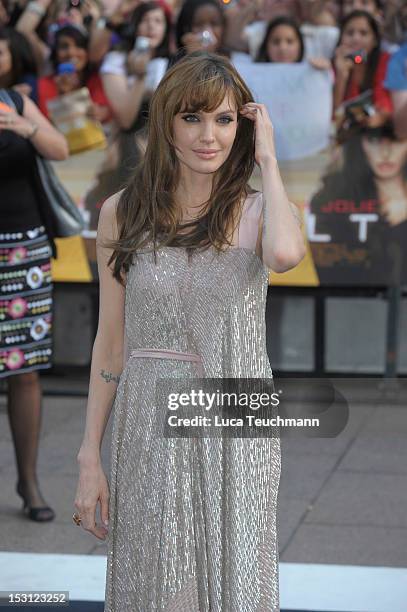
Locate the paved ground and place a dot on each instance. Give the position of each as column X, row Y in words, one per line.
column 342, row 500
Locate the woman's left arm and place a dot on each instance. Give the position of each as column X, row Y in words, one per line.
column 283, row 245
column 32, row 125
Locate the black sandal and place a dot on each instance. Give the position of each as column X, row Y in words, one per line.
column 35, row 514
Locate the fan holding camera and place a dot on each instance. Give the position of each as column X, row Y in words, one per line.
column 41, row 20
column 201, row 26
column 360, row 67
column 72, row 71
column 130, row 73
column 133, row 69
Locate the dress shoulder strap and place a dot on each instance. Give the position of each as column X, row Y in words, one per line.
column 250, row 221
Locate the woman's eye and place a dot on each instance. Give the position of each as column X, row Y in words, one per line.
column 187, row 117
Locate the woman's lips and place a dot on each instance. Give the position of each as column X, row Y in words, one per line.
column 203, row 155
column 386, row 167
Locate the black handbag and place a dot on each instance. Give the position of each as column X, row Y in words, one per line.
column 66, row 219
column 66, row 216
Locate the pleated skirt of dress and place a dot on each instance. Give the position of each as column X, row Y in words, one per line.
column 25, row 301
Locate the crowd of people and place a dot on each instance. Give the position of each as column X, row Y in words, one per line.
column 119, row 51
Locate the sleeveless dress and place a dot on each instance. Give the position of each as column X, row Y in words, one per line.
column 192, row 521
column 26, row 288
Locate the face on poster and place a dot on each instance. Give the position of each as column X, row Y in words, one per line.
column 357, row 221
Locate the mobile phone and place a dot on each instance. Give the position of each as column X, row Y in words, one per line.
column 358, row 57
column 207, row 38
column 141, row 44
column 66, row 68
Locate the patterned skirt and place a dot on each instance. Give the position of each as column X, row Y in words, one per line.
column 25, row 301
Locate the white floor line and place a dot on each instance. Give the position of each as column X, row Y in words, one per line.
column 82, row 575
column 303, row 586
column 344, row 588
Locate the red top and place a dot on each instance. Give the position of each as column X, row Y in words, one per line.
column 47, row 90
column 381, row 96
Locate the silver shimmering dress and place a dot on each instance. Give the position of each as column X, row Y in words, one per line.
column 192, row 521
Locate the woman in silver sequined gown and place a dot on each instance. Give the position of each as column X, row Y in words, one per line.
column 192, row 520
column 193, row 527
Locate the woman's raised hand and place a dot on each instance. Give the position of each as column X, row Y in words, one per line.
column 264, row 143
column 123, row 11
column 343, row 64
column 137, row 62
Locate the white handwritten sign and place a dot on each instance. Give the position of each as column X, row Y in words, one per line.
column 299, row 100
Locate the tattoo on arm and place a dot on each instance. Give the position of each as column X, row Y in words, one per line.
column 108, row 376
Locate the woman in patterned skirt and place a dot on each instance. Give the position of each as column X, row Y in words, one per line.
column 26, row 246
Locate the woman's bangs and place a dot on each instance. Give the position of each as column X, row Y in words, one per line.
column 205, row 95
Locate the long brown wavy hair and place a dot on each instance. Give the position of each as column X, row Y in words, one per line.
column 146, row 211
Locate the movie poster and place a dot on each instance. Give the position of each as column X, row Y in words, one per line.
column 353, row 195
column 357, row 217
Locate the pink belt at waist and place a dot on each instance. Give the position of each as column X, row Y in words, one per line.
column 162, row 353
